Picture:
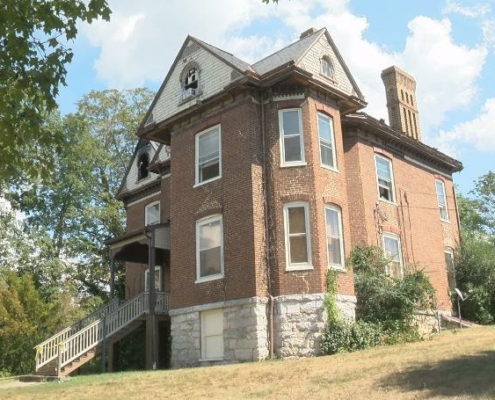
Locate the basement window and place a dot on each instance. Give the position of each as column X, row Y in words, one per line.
column 212, row 335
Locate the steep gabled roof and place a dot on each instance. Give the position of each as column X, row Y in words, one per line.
column 237, row 63
column 291, row 53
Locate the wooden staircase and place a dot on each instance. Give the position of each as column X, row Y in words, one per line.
column 72, row 347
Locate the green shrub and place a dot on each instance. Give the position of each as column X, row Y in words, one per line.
column 385, row 306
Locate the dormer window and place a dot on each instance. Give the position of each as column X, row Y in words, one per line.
column 327, row 67
column 190, row 81
column 143, row 164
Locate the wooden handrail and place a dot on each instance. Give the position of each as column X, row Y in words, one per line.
column 68, row 345
column 48, row 350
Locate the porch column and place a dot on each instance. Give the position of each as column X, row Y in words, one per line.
column 112, row 275
column 151, row 322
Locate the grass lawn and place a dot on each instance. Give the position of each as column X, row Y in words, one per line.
column 456, row 365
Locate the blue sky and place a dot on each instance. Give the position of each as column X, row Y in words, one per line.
column 448, row 46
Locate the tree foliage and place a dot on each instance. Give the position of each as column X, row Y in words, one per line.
column 74, row 209
column 475, row 256
column 34, row 38
column 25, row 320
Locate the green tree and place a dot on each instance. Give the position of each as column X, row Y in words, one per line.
column 475, row 256
column 73, row 210
column 25, row 320
column 34, row 38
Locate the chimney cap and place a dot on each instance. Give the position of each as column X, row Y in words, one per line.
column 307, row 33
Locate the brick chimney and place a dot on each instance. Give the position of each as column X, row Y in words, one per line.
column 307, row 33
column 400, row 88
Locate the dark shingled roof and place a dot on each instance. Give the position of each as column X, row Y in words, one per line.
column 382, row 129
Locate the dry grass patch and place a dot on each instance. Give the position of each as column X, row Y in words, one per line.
column 451, row 365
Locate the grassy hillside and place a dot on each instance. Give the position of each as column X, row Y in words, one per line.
column 456, row 364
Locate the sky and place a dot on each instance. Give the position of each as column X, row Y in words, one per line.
column 447, row 45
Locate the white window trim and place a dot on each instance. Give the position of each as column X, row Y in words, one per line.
column 283, row 163
column 332, row 136
column 330, row 265
column 203, row 314
column 147, row 278
column 438, row 200
column 196, row 156
column 297, row 266
column 199, row 223
column 154, row 203
column 391, row 177
column 395, row 237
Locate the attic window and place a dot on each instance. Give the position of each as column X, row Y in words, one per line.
column 190, row 81
column 143, row 163
column 327, row 67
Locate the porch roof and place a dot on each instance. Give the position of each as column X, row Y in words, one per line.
column 134, row 246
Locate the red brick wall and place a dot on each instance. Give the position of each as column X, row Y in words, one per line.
column 414, row 216
column 231, row 196
column 312, row 184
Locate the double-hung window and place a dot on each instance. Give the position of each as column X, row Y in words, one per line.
column 391, row 248
column 335, row 244
column 291, row 137
column 297, row 238
column 385, row 178
column 152, row 214
column 327, row 141
column 209, row 248
column 441, row 200
column 208, row 155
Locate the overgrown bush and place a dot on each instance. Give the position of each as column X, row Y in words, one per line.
column 385, row 305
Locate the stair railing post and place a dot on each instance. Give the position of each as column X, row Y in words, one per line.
column 59, row 359
column 104, row 344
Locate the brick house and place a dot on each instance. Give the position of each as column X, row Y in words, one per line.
column 247, row 184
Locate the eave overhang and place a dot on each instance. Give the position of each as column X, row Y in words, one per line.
column 367, row 123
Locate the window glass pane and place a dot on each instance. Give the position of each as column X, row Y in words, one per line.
column 210, row 235
column 383, row 169
column 326, row 155
column 391, row 248
column 332, row 218
column 298, row 249
column 290, row 122
column 208, row 144
column 210, row 262
column 324, row 128
column 297, row 220
column 292, row 148
column 209, row 172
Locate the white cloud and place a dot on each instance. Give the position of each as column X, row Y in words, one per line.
column 143, row 38
column 446, row 72
column 478, row 132
column 475, row 11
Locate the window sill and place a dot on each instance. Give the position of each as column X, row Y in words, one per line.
column 211, row 359
column 293, row 268
column 328, row 78
column 209, row 278
column 208, row 181
column 337, row 268
column 447, row 221
column 295, row 164
column 393, row 203
column 328, row 168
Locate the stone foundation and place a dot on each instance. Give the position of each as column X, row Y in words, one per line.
column 298, row 325
column 299, row 322
column 245, row 333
